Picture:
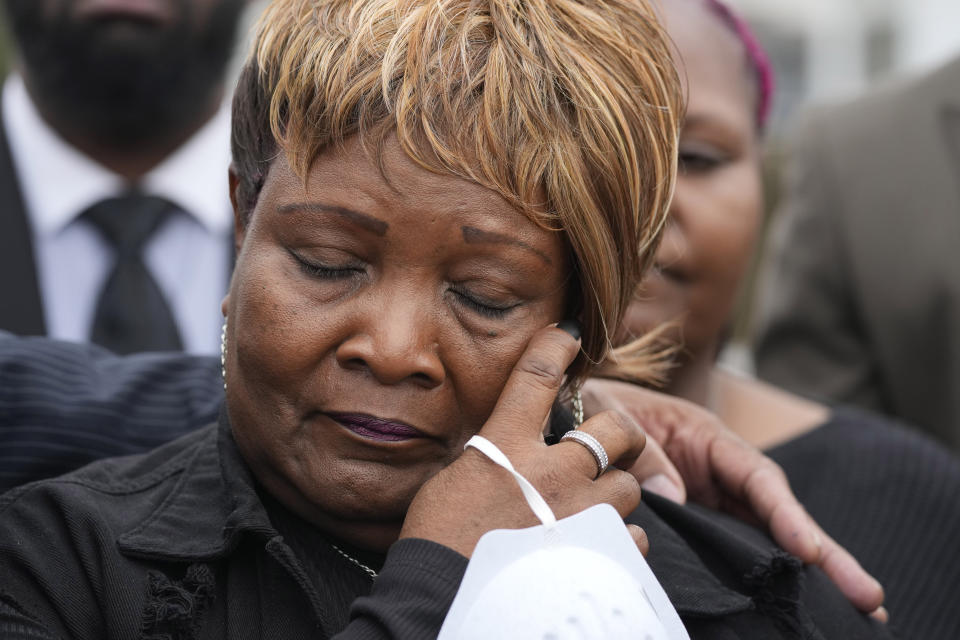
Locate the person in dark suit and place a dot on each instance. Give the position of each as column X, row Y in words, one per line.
column 861, row 303
column 64, row 404
column 114, row 135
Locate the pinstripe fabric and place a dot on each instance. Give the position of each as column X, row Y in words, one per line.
column 890, row 496
column 63, row 405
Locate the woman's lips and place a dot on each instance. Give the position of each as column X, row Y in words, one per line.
column 375, row 428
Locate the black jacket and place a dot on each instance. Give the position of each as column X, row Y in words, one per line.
column 177, row 543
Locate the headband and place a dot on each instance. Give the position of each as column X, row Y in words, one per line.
column 756, row 55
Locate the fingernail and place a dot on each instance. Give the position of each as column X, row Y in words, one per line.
column 817, row 541
column 881, row 615
column 570, row 326
column 663, row 487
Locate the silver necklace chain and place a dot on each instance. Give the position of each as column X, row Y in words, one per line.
column 370, row 572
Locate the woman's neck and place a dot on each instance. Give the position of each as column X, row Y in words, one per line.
column 690, row 380
column 761, row 414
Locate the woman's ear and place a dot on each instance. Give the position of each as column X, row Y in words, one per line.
column 240, row 215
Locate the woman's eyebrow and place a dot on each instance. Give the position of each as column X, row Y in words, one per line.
column 472, row 235
column 368, row 222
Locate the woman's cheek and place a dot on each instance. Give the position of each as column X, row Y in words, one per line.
column 484, row 370
column 273, row 324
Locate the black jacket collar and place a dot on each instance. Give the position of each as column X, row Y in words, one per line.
column 709, row 565
column 212, row 506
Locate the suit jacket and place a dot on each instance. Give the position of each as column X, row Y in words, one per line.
column 861, row 301
column 21, row 301
column 21, row 310
column 64, row 405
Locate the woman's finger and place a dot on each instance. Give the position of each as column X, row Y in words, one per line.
column 759, row 482
column 762, row 485
column 621, row 438
column 639, row 538
column 618, row 489
column 880, row 614
column 854, row 582
column 654, row 471
column 532, row 387
column 719, row 468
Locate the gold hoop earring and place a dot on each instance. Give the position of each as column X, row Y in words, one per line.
column 223, row 353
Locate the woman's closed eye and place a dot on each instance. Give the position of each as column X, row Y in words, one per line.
column 483, row 306
column 316, row 269
column 700, row 160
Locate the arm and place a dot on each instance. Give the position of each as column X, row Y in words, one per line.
column 810, row 338
column 410, row 599
column 63, row 405
column 722, row 471
column 412, row 594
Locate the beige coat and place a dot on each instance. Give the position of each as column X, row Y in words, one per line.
column 860, row 299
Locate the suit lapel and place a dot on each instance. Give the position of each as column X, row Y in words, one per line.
column 948, row 82
column 21, row 310
column 950, row 120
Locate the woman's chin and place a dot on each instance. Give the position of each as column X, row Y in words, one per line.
column 369, row 536
column 361, row 501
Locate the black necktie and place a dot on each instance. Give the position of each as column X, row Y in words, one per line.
column 132, row 314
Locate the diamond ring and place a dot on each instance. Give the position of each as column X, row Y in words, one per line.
column 593, row 446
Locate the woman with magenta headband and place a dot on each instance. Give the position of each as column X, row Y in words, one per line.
column 422, row 192
column 887, row 494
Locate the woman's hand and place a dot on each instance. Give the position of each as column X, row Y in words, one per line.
column 720, row 470
column 473, row 495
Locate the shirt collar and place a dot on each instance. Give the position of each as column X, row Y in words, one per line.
column 212, row 506
column 58, row 182
column 195, row 175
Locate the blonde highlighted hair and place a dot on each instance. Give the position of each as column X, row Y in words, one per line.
column 568, row 109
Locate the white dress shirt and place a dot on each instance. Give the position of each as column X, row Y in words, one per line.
column 188, row 255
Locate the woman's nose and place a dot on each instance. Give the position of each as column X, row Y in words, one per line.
column 673, row 244
column 395, row 348
column 679, row 204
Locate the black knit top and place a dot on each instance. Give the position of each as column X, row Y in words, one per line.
column 892, row 498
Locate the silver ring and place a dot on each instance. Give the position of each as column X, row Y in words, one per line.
column 593, row 446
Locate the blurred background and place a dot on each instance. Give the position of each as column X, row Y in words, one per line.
column 822, row 51
column 827, row 51
column 834, row 49
column 250, row 15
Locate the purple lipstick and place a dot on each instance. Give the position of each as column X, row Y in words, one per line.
column 375, row 428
